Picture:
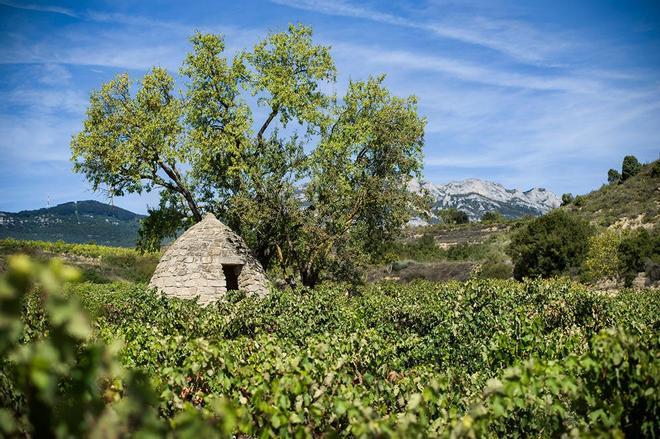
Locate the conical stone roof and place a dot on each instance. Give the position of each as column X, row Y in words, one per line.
column 205, row 261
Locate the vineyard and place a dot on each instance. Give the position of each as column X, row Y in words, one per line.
column 477, row 358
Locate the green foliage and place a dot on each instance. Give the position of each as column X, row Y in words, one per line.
column 567, row 199
column 57, row 381
column 490, row 358
column 97, row 263
column 453, row 216
column 352, row 157
column 655, row 169
column 636, row 250
column 426, row 249
column 602, row 260
column 492, row 269
column 551, row 245
column 613, row 176
column 612, row 389
column 63, row 248
column 492, row 217
column 630, row 167
column 162, row 223
column 579, row 201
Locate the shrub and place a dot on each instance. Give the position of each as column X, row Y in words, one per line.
column 454, row 216
column 613, row 176
column 492, row 217
column 550, row 245
column 423, row 248
column 655, row 169
column 55, row 380
column 495, row 270
column 567, row 199
column 630, row 167
column 638, row 249
column 602, row 260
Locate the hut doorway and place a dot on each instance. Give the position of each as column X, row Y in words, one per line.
column 231, row 271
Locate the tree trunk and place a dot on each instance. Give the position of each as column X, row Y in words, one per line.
column 197, row 216
column 181, row 188
column 309, row 276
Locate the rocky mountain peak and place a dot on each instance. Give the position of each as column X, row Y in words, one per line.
column 476, row 197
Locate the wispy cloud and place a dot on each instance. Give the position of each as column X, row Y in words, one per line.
column 467, row 71
column 513, row 38
column 40, row 8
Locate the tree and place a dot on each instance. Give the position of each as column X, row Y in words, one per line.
column 317, row 187
column 133, row 144
column 550, row 245
column 613, row 176
column 567, row 199
column 454, row 216
column 492, row 217
column 630, row 167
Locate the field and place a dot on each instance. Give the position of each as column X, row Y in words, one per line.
column 463, row 359
column 97, row 263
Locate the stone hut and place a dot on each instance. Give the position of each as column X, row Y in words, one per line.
column 206, row 261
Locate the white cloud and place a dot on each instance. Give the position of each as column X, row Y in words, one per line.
column 39, row 8
column 53, row 74
column 405, row 60
column 39, row 101
column 513, row 38
column 35, row 138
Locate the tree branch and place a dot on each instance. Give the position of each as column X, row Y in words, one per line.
column 271, row 116
column 183, row 190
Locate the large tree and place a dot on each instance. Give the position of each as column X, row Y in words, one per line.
column 314, row 183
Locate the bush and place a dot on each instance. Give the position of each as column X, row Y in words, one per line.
column 492, row 217
column 423, row 248
column 655, row 169
column 630, row 167
column 454, row 216
column 613, row 176
column 551, row 245
column 602, row 260
column 55, row 380
column 639, row 249
column 567, row 199
column 495, row 270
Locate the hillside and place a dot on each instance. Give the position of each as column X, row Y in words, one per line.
column 635, row 201
column 476, row 197
column 75, row 222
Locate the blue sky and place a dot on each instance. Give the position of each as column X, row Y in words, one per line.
column 526, row 93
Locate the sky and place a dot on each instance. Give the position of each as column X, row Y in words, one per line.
column 525, row 93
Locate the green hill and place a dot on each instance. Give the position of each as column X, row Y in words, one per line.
column 75, row 222
column 634, row 201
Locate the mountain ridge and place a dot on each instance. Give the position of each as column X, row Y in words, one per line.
column 475, row 197
column 93, row 221
column 76, row 222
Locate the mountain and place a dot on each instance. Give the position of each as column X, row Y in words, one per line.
column 476, row 197
column 76, row 221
